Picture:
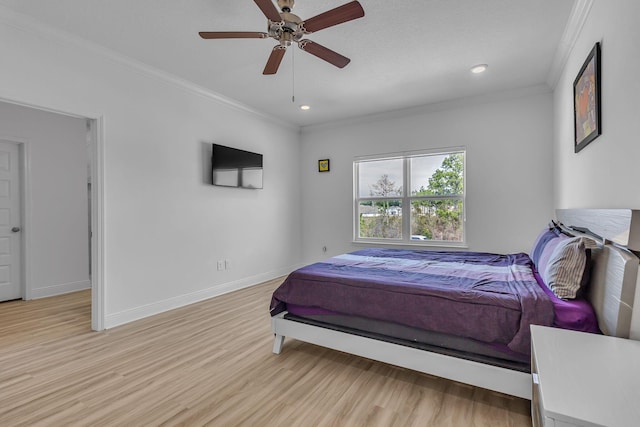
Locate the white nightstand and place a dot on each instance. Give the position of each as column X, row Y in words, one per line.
column 583, row 379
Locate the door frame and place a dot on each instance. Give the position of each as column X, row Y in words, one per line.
column 96, row 159
column 96, row 145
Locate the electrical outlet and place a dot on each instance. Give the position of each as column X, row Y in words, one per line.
column 227, row 264
column 220, row 265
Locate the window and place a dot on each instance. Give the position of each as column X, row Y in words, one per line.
column 410, row 198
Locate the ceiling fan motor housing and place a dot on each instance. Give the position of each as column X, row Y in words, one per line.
column 288, row 30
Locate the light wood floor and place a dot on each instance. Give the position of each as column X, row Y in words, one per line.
column 211, row 364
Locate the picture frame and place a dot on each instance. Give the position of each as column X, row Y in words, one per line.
column 323, row 165
column 586, row 101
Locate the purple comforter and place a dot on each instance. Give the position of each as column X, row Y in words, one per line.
column 488, row 297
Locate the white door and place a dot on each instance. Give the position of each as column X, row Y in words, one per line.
column 10, row 222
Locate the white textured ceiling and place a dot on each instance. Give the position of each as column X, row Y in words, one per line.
column 403, row 53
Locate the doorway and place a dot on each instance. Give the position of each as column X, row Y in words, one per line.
column 69, row 244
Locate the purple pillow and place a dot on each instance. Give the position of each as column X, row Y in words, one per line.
column 543, row 247
column 542, row 239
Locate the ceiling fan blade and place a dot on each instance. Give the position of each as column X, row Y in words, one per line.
column 324, row 53
column 232, row 35
column 274, row 60
column 340, row 14
column 269, row 9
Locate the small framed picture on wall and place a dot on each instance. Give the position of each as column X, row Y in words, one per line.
column 323, row 165
column 586, row 101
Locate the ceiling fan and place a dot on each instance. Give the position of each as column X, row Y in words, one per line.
column 288, row 28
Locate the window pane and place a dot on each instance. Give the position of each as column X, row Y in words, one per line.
column 381, row 219
column 437, row 175
column 380, row 178
column 436, row 220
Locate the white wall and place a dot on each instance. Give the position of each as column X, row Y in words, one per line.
column 508, row 140
column 57, row 231
column 602, row 175
column 165, row 228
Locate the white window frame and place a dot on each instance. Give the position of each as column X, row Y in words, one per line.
column 406, row 199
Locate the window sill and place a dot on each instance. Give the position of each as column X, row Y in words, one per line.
column 417, row 244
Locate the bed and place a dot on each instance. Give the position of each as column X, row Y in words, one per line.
column 465, row 316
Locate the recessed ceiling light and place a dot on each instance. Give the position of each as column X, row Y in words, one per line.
column 305, row 107
column 480, row 68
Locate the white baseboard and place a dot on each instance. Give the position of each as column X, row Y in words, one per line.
column 116, row 319
column 62, row 288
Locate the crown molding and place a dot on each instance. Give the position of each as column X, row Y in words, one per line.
column 487, row 98
column 577, row 18
column 30, row 25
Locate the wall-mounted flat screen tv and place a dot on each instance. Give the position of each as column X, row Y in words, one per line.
column 231, row 167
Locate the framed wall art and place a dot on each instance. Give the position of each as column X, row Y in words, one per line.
column 586, row 101
column 323, row 165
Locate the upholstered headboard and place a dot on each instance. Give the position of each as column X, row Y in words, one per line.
column 614, row 276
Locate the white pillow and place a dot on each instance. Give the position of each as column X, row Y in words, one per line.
column 566, row 267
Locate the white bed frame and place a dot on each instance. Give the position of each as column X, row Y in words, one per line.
column 613, row 291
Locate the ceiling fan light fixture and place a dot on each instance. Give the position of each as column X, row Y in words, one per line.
column 286, row 38
column 480, row 68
